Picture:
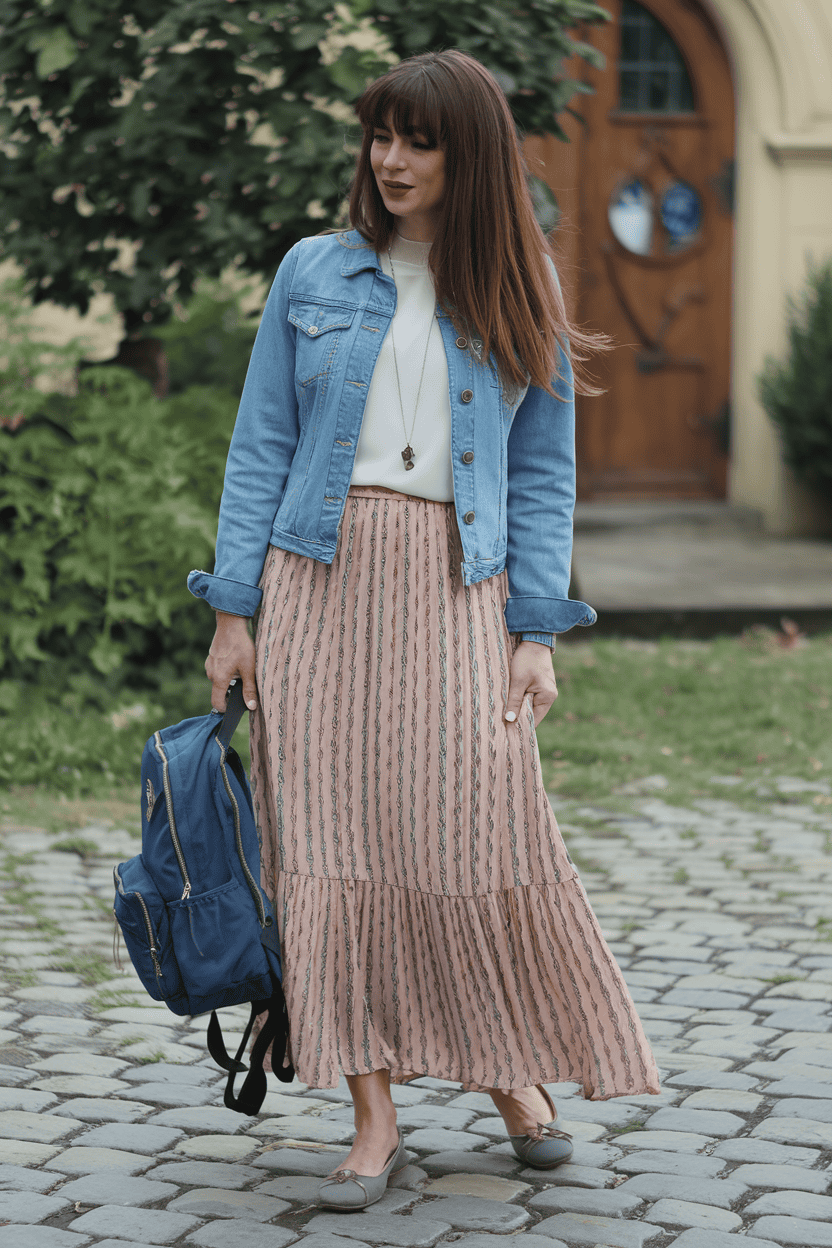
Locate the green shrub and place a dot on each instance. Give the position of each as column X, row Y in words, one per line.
column 797, row 390
column 211, row 345
column 107, row 498
column 100, row 524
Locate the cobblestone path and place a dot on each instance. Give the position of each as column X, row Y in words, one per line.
column 112, row 1127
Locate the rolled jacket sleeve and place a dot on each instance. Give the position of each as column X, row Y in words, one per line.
column 265, row 438
column 541, row 500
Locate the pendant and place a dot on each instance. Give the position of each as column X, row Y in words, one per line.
column 407, row 456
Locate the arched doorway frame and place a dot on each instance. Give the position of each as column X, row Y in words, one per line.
column 781, row 55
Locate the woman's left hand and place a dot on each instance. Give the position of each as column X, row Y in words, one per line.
column 531, row 673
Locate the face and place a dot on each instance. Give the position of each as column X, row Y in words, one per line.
column 411, row 178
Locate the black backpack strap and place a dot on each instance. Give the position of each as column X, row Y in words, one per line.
column 253, row 1092
column 235, row 708
column 216, row 1044
column 277, row 1010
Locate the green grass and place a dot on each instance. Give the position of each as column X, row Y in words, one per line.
column 737, row 707
column 85, row 746
column 40, row 806
column 741, row 708
column 90, row 968
column 636, row 1125
column 76, row 845
column 113, row 998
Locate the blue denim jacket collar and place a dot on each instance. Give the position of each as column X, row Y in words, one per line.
column 358, row 257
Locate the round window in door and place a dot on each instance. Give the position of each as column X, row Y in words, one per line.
column 654, row 213
column 632, row 214
column 661, row 219
column 681, row 214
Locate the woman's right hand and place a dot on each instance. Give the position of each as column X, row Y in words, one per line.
column 231, row 656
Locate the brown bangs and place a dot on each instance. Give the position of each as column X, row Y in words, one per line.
column 410, row 102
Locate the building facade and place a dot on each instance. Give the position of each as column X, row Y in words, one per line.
column 695, row 191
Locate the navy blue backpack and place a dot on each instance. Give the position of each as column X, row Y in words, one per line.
column 198, row 927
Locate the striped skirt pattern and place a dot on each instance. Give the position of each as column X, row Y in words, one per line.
column 431, row 920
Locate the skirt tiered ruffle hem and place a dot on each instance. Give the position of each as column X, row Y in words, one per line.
column 431, row 920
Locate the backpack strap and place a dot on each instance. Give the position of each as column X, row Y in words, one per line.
column 253, row 1092
column 235, row 708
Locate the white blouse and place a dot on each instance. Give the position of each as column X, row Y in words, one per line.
column 384, row 434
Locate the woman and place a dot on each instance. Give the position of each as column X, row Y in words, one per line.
column 399, row 492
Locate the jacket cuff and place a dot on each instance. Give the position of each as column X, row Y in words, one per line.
column 234, row 597
column 529, row 615
column 545, row 639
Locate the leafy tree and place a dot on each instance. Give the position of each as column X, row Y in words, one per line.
column 148, row 141
column 796, row 391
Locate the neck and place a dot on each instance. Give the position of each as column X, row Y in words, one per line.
column 416, row 229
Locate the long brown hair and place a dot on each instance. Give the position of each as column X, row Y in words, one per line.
column 489, row 255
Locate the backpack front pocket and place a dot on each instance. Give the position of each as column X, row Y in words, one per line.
column 142, row 916
column 212, row 934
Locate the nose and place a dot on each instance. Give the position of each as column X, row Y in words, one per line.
column 395, row 155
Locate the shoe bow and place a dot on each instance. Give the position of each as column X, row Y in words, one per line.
column 546, row 1131
column 346, row 1176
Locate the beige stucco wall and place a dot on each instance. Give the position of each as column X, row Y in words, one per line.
column 100, row 330
column 781, row 51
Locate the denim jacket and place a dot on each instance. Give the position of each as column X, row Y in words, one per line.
column 294, row 443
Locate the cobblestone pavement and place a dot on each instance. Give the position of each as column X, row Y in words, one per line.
column 112, row 1127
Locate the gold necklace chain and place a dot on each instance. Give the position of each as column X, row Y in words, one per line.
column 407, row 453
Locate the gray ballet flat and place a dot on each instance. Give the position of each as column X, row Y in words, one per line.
column 544, row 1147
column 345, row 1190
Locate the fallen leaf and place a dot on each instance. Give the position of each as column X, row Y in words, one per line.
column 791, row 637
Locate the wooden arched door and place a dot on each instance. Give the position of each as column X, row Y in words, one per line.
column 646, row 187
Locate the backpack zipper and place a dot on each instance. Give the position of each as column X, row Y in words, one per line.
column 174, row 836
column 151, row 935
column 250, row 880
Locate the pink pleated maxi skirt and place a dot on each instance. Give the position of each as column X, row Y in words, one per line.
column 431, row 920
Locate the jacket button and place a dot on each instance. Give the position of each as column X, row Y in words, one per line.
column 467, row 457
column 467, row 396
column 462, row 343
column 469, row 517
column 313, row 329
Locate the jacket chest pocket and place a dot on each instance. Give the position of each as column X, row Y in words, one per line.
column 320, row 336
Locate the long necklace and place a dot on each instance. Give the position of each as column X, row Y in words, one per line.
column 407, row 453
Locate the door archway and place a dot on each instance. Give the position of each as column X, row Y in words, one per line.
column 648, row 206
